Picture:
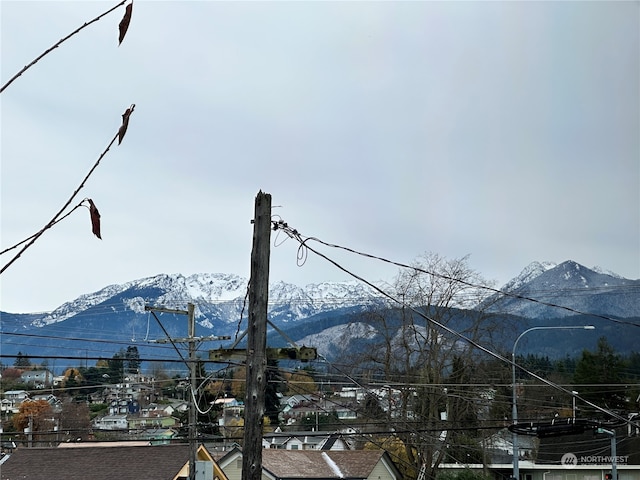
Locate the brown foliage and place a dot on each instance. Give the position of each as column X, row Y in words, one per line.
column 75, row 419
column 95, row 219
column 38, row 410
column 11, row 373
column 125, row 123
column 300, row 383
column 124, row 23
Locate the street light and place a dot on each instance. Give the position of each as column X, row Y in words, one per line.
column 516, row 472
column 573, row 394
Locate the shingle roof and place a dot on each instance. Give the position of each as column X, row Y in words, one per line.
column 347, row 464
column 98, row 463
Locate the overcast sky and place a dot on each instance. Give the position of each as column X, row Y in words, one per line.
column 507, row 131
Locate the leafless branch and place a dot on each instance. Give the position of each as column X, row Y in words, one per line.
column 59, row 215
column 50, row 49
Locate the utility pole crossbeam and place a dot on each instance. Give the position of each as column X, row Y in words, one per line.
column 303, row 354
column 256, row 357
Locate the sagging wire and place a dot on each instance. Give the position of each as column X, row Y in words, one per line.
column 244, row 306
column 304, row 244
column 170, row 339
column 293, row 233
column 302, row 254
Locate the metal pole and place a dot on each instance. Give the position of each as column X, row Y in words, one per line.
column 614, row 452
column 514, row 408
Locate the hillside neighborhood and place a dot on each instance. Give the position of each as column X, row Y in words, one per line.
column 138, row 425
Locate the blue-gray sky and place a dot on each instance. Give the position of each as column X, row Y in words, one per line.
column 507, row 131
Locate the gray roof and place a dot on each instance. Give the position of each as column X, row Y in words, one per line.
column 98, row 463
column 347, row 464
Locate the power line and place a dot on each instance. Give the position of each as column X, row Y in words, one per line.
column 294, row 234
column 304, row 241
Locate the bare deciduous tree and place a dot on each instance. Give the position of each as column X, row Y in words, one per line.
column 424, row 354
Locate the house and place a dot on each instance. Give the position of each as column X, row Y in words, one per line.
column 37, row 378
column 154, row 409
column 163, row 462
column 304, row 441
column 232, row 411
column 579, row 456
column 303, row 464
column 157, row 421
column 159, row 436
column 7, row 406
column 111, row 422
column 535, row 471
column 124, row 406
column 13, row 399
column 50, row 398
column 297, row 408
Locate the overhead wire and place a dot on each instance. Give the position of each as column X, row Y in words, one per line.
column 304, row 241
column 304, row 244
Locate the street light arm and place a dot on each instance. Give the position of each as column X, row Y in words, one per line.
column 514, row 408
column 579, row 327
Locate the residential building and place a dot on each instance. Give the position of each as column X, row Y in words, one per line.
column 300, row 407
column 163, row 462
column 580, row 456
column 12, row 400
column 112, row 422
column 37, row 378
column 232, row 409
column 50, row 398
column 304, row 440
column 326, row 465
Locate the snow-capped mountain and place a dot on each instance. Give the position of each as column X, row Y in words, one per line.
column 569, row 285
column 327, row 315
column 218, row 298
column 529, row 273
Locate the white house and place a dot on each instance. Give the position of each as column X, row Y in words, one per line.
column 38, row 378
column 304, row 441
column 13, row 399
column 111, row 422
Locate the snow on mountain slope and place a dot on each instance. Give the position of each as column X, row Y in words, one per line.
column 216, row 295
column 222, row 297
column 575, row 288
column 332, row 342
column 529, row 273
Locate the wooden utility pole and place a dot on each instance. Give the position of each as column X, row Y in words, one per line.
column 256, row 366
column 193, row 416
column 191, row 362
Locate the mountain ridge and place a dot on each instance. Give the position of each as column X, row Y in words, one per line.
column 571, row 286
column 329, row 312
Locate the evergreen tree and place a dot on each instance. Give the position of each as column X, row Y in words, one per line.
column 116, row 367
column 604, row 370
column 22, row 360
column 132, row 357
